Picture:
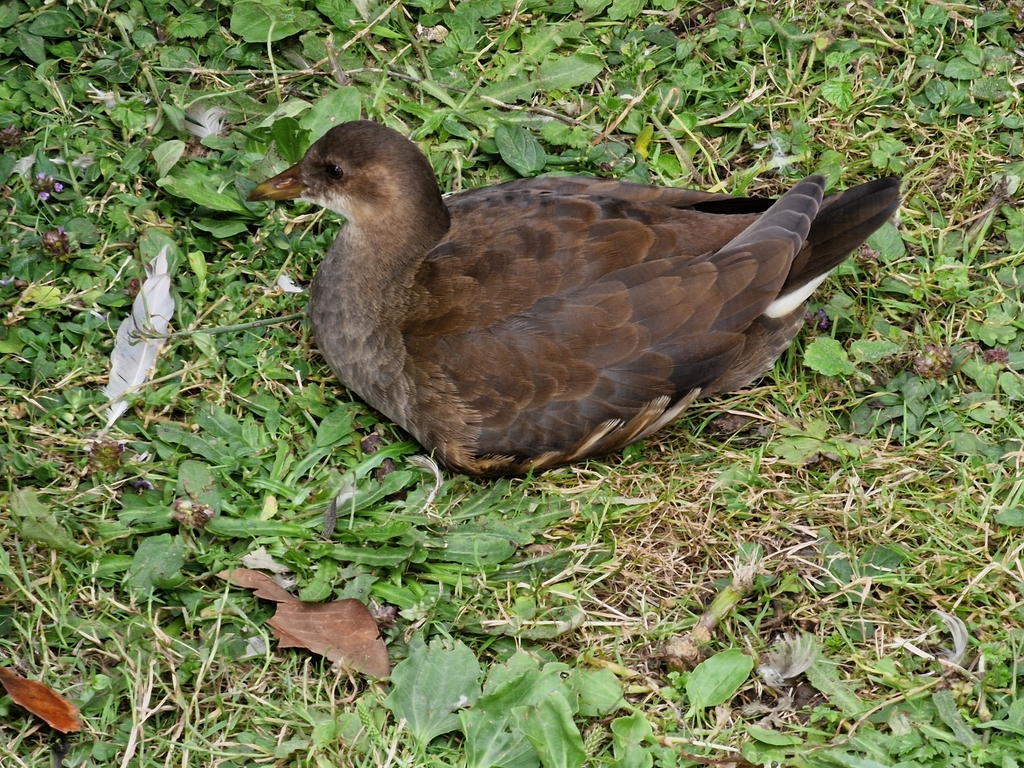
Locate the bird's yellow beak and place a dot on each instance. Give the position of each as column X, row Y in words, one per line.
column 285, row 186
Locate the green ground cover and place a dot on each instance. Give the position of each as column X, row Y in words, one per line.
column 866, row 499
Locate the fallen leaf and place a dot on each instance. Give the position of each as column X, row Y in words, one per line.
column 42, row 701
column 343, row 631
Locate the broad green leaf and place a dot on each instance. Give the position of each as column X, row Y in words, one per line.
column 196, row 481
column 714, row 681
column 519, row 682
column 592, row 7
column 291, row 139
column 35, row 521
column 41, row 297
column 997, row 329
column 239, row 527
column 628, row 736
column 191, row 25
column 120, row 69
column 569, row 71
column 491, row 740
column 827, row 356
column 597, row 691
column 493, row 735
column 12, row 344
column 520, row 149
column 880, row 560
column 155, row 240
column 193, row 183
column 1012, row 518
column 625, row 9
column 262, row 21
column 31, row 45
column 431, row 685
column 962, row 69
column 341, row 13
column 888, row 242
column 824, row 675
column 988, row 413
column 341, row 105
column 7, row 163
column 985, row 375
column 54, row 23
column 936, row 91
column 992, row 88
column 871, row 351
column 838, row 92
column 9, row 14
column 799, row 450
column 221, row 229
column 336, row 426
column 1011, row 385
column 933, row 16
column 83, row 230
column 775, row 738
column 156, row 565
column 478, row 544
column 167, row 154
column 545, row 38
column 511, row 89
column 290, row 108
column 947, row 709
column 550, row 728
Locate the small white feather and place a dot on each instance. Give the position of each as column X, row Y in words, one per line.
column 961, row 637
column 24, row 165
column 427, row 463
column 140, row 337
column 287, row 285
column 793, row 299
column 202, row 122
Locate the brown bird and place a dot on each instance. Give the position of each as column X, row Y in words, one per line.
column 539, row 322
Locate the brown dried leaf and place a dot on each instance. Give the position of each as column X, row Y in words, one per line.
column 343, row 631
column 42, row 701
column 263, row 585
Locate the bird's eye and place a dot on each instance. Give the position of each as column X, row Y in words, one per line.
column 335, row 172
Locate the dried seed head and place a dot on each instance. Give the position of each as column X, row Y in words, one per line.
column 934, row 362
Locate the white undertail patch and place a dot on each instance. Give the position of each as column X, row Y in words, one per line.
column 794, row 299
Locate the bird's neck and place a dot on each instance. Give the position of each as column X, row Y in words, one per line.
column 361, row 294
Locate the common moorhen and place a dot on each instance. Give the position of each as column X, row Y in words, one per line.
column 542, row 321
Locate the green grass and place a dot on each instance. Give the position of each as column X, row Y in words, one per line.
column 875, row 475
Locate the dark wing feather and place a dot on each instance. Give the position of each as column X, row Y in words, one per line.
column 573, row 312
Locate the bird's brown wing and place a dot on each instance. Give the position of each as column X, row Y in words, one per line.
column 547, row 316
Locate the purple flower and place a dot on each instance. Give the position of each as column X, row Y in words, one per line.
column 44, row 185
column 819, row 319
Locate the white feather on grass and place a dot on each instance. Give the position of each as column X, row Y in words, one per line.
column 24, row 165
column 202, row 122
column 140, row 337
